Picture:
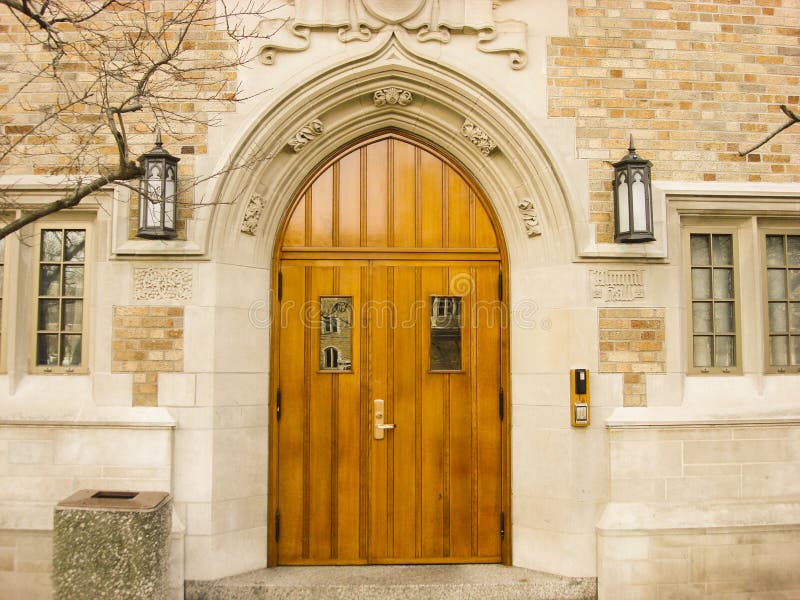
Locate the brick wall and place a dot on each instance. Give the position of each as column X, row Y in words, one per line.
column 79, row 141
column 147, row 340
column 694, row 82
column 632, row 343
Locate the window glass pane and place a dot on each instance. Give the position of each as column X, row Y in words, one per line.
column 794, row 316
column 793, row 243
column 725, row 351
column 777, row 317
column 723, row 249
column 74, row 245
column 51, row 245
column 445, row 333
column 70, row 350
column 723, row 317
column 702, row 350
column 72, row 317
column 48, row 315
column 701, row 317
column 794, row 284
column 795, row 343
column 73, row 281
column 49, row 278
column 335, row 338
column 60, row 305
column 47, row 349
column 778, row 350
column 701, row 254
column 775, row 251
column 776, row 284
column 701, row 284
column 723, row 283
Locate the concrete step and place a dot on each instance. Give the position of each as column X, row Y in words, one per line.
column 439, row 582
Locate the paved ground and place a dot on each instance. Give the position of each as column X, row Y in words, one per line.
column 445, row 582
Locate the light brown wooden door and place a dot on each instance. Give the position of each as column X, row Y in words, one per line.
column 390, row 283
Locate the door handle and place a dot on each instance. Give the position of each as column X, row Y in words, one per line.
column 378, row 415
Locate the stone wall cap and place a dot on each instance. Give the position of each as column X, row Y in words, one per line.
column 114, row 500
column 697, row 416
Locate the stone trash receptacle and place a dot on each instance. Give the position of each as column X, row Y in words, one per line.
column 111, row 545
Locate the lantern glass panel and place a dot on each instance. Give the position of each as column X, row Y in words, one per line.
column 639, row 201
column 622, row 204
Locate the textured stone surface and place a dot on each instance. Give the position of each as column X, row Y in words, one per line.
column 456, row 582
column 120, row 554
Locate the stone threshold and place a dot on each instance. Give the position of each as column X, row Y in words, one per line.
column 406, row 582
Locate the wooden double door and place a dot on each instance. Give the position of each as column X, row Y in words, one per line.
column 389, row 437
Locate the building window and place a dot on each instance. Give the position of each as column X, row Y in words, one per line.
column 60, row 306
column 714, row 344
column 331, row 358
column 783, row 302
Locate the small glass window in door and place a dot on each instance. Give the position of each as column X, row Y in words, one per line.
column 445, row 333
column 335, row 333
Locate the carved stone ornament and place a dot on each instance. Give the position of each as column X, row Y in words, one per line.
column 252, row 214
column 531, row 219
column 307, row 133
column 162, row 283
column 478, row 136
column 430, row 20
column 392, row 95
column 617, row 285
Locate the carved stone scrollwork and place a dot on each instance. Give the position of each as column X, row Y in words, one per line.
column 308, row 133
column 361, row 20
column 392, row 95
column 162, row 283
column 478, row 136
column 530, row 218
column 252, row 214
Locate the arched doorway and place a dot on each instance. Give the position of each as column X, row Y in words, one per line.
column 389, row 438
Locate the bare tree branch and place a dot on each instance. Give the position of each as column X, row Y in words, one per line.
column 92, row 79
column 793, row 118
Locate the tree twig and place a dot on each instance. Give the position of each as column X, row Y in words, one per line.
column 793, row 118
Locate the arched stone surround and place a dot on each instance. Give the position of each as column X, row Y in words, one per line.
column 524, row 166
column 520, row 169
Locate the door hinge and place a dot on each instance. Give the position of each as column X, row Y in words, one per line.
column 502, row 525
column 500, row 286
column 278, row 404
column 277, row 526
column 280, row 286
column 502, row 404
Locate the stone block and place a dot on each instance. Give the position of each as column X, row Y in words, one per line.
column 108, row 545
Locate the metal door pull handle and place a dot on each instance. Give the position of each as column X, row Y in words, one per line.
column 385, row 426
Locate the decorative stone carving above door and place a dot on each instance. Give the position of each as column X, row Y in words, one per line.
column 430, row 20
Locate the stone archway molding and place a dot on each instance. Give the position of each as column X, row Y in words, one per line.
column 393, row 89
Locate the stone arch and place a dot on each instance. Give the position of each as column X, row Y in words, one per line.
column 297, row 131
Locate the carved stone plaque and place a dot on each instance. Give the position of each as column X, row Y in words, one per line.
column 429, row 20
column 162, row 283
column 617, row 285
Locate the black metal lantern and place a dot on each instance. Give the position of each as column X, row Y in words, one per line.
column 633, row 199
column 158, row 189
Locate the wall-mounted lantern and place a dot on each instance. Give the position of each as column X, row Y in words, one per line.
column 633, row 201
column 158, row 188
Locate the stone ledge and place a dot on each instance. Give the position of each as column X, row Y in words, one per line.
column 693, row 416
column 94, row 417
column 623, row 518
